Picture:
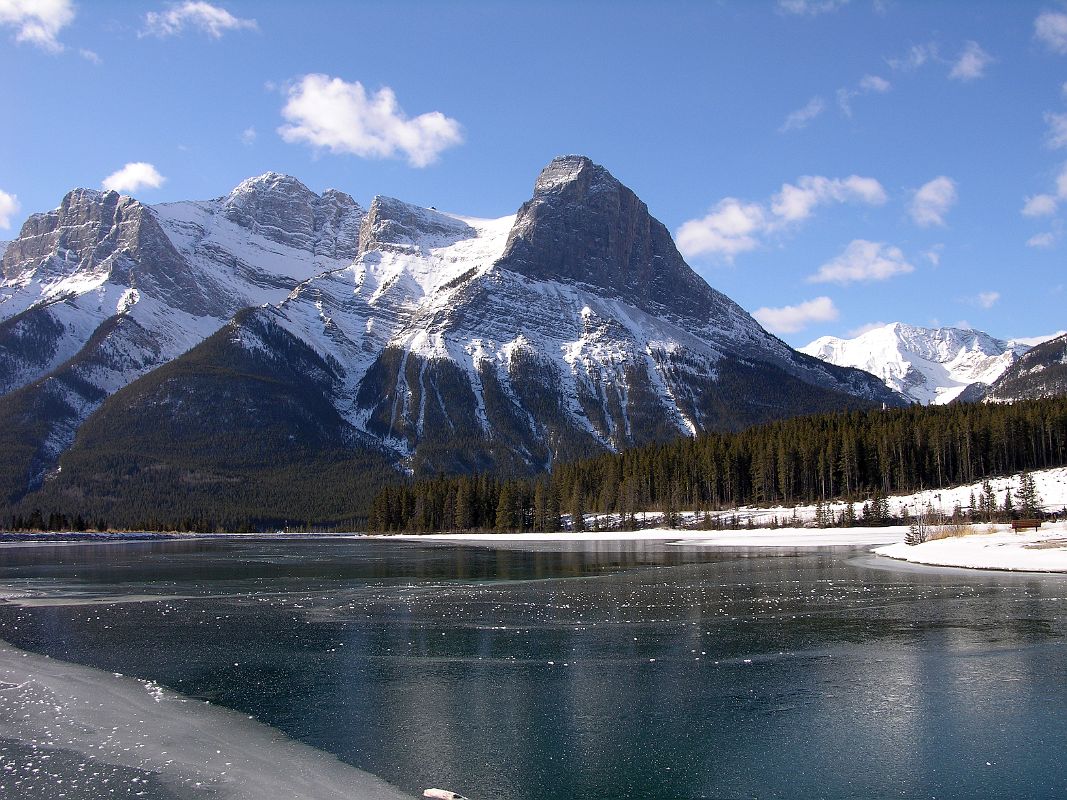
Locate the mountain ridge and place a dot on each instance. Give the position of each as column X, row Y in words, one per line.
column 929, row 365
column 447, row 343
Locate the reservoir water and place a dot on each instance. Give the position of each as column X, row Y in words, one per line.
column 606, row 670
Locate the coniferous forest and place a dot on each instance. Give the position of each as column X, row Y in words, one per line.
column 859, row 456
column 854, row 456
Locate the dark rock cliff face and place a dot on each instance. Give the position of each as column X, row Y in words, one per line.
column 583, row 226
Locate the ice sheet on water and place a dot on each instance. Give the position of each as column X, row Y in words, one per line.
column 194, row 749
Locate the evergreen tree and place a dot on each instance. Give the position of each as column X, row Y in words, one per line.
column 1029, row 501
column 577, row 510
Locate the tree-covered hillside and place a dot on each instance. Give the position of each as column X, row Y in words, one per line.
column 852, row 455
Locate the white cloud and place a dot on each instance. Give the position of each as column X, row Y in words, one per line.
column 794, row 203
column 1057, row 130
column 731, row 227
column 933, row 201
column 1061, row 184
column 790, row 319
column 9, row 207
column 863, row 261
column 1034, row 341
column 1041, row 240
column 800, row 118
column 1050, row 27
column 248, row 135
column 810, row 7
column 868, row 84
column 874, row 83
column 862, row 329
column 1040, row 205
column 985, row 299
column 916, row 57
column 37, row 21
column 342, row 117
column 132, row 177
column 196, row 14
column 735, row 226
column 933, row 255
column 90, row 56
column 971, row 64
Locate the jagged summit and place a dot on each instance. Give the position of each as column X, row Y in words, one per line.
column 392, row 224
column 584, row 226
column 417, row 339
column 282, row 209
column 929, row 365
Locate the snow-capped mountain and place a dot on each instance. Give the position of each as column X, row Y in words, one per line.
column 429, row 340
column 1041, row 372
column 928, row 365
column 105, row 289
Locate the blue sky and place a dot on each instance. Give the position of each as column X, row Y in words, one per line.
column 829, row 164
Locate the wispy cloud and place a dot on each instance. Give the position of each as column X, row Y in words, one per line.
column 1042, row 240
column 790, row 319
column 810, row 7
column 90, row 56
column 1040, row 205
column 863, row 261
column 248, row 135
column 797, row 202
column 875, row 83
column 9, row 207
column 195, row 15
column 932, row 201
column 868, row 84
column 133, row 177
column 971, row 64
column 916, row 56
column 984, row 299
column 1056, row 137
column 1050, row 28
column 933, row 255
column 802, row 117
column 332, row 114
column 37, row 22
column 735, row 226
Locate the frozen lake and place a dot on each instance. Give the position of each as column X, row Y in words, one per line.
column 592, row 670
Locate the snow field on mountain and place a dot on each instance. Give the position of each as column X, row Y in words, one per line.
column 929, row 365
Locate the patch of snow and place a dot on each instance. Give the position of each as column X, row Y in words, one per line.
column 998, row 547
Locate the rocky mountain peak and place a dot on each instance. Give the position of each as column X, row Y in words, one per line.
column 84, row 231
column 394, row 225
column 583, row 226
column 281, row 208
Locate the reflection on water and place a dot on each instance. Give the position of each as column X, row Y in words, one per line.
column 595, row 670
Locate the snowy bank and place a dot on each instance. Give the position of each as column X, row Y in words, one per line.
column 782, row 537
column 198, row 749
column 1042, row 551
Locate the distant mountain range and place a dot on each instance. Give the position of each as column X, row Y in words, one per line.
column 929, row 365
column 281, row 348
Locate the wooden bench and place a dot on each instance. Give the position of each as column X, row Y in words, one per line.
column 1022, row 524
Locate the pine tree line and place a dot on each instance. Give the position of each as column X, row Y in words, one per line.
column 857, row 456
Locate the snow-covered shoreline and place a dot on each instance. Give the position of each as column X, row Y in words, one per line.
column 997, row 548
column 781, row 537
